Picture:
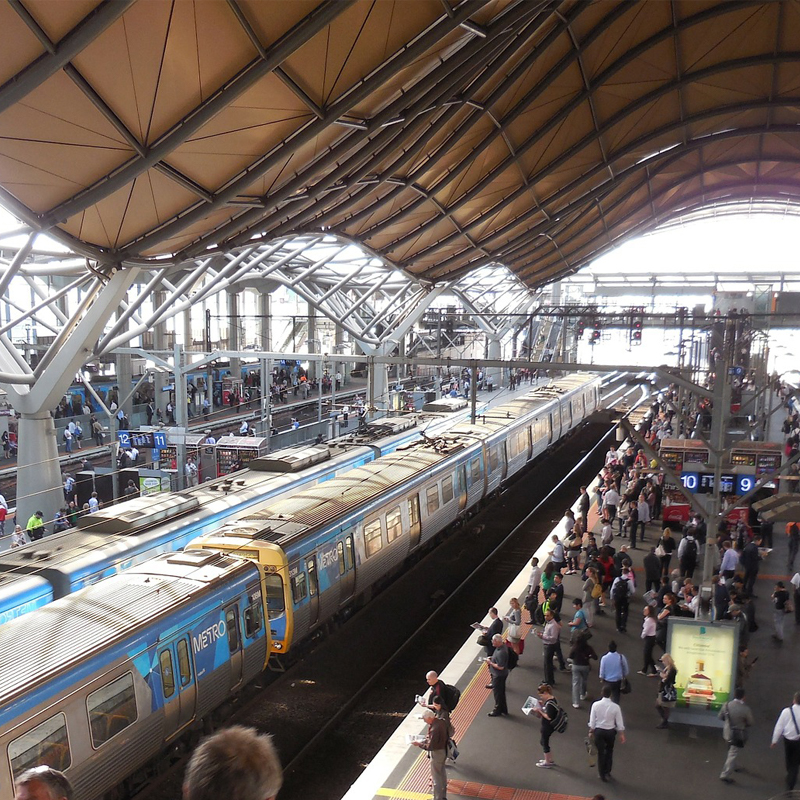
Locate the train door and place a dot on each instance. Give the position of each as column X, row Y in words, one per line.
column 462, row 487
column 414, row 526
column 234, row 644
column 313, row 591
column 177, row 685
column 347, row 573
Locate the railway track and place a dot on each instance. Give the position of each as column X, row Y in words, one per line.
column 342, row 714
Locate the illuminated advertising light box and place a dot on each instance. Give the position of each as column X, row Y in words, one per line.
column 705, row 657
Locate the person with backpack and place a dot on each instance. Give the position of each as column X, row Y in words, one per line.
column 553, row 719
column 620, row 594
column 687, row 554
column 449, row 695
column 605, row 721
column 498, row 666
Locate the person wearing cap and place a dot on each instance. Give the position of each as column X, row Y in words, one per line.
column 210, row 438
column 35, row 526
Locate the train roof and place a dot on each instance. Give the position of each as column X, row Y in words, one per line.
column 35, row 647
column 282, row 520
column 286, row 518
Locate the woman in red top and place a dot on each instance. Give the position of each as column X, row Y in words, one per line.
column 607, row 563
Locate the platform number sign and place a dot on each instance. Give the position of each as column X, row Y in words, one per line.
column 745, row 483
column 139, row 439
column 690, row 481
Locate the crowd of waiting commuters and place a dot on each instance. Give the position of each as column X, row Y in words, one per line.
column 666, row 583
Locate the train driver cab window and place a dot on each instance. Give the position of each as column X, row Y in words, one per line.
column 432, row 499
column 167, row 674
column 447, row 489
column 394, row 524
column 372, row 537
column 111, row 709
column 45, row 745
column 299, row 587
column 232, row 625
column 475, row 467
column 252, row 619
column 275, row 602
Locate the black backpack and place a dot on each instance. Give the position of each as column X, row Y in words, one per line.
column 513, row 657
column 622, row 590
column 451, row 695
column 691, row 550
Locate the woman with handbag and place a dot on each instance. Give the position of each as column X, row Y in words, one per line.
column 667, row 694
column 591, row 594
column 514, row 619
column 664, row 550
column 548, row 710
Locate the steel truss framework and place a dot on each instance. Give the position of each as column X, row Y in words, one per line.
column 376, row 305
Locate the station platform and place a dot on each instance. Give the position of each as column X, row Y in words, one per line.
column 498, row 755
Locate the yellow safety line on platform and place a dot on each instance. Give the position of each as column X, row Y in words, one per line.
column 384, row 792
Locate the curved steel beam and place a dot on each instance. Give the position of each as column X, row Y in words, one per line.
column 397, row 139
column 297, row 139
column 58, row 55
column 552, row 75
column 591, row 173
column 308, row 27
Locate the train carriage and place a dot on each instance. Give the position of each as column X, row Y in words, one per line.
column 97, row 684
column 324, row 547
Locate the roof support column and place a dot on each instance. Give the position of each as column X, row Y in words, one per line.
column 160, row 345
column 314, row 345
column 233, row 332
column 39, row 486
column 265, row 321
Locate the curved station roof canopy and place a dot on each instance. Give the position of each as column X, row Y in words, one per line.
column 441, row 136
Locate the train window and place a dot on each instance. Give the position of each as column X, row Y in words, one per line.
column 45, row 745
column 447, row 489
column 111, row 709
column 394, row 524
column 432, row 499
column 275, row 602
column 340, row 556
column 372, row 537
column 252, row 620
column 475, row 466
column 167, row 675
column 493, row 458
column 348, row 552
column 413, row 513
column 184, row 663
column 232, row 624
column 313, row 585
column 299, row 587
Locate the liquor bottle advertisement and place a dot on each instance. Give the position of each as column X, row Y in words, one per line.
column 705, row 657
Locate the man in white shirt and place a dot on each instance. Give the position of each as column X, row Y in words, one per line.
column 796, row 584
column 532, row 594
column 605, row 719
column 788, row 728
column 611, row 502
column 557, row 555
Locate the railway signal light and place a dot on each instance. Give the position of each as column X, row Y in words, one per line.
column 637, row 323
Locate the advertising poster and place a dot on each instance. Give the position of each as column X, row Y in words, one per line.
column 705, row 657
